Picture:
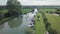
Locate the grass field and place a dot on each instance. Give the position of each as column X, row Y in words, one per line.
column 39, row 25
column 46, row 9
column 4, row 11
column 55, row 21
column 26, row 10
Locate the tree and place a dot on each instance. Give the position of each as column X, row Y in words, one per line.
column 44, row 18
column 14, row 7
column 47, row 12
column 58, row 11
column 47, row 25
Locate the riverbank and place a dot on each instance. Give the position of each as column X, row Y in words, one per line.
column 9, row 18
column 39, row 25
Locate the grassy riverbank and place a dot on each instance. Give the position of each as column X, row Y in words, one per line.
column 55, row 21
column 6, row 19
column 39, row 25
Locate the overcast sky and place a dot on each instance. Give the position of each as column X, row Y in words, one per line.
column 34, row 2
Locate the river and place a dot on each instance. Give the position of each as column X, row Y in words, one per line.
column 18, row 24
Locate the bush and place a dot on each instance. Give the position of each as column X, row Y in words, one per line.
column 45, row 19
column 52, row 31
column 47, row 12
column 57, row 9
column 7, row 15
column 43, row 14
column 29, row 31
column 38, row 17
column 47, row 25
column 51, row 12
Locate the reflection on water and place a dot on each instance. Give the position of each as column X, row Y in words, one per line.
column 1, row 26
column 12, row 26
column 15, row 22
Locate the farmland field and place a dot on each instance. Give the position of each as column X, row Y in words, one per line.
column 55, row 21
column 46, row 9
column 26, row 10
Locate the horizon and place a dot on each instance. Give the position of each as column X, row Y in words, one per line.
column 34, row 2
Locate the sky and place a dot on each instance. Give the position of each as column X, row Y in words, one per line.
column 34, row 2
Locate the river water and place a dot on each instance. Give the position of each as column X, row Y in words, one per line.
column 18, row 24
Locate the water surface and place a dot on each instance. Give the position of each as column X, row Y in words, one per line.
column 18, row 24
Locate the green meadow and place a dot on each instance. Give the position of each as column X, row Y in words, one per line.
column 39, row 25
column 46, row 9
column 55, row 21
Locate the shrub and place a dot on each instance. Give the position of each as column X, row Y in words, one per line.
column 29, row 31
column 52, row 31
column 47, row 12
column 47, row 24
column 45, row 19
column 38, row 17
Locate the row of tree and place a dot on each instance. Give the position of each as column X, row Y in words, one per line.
column 48, row 25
